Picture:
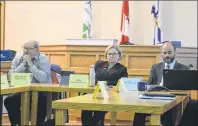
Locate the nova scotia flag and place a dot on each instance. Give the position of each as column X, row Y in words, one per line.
column 157, row 31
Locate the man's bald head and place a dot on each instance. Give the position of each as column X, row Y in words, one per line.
column 168, row 44
column 168, row 52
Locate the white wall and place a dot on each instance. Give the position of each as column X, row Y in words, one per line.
column 186, row 23
column 179, row 21
column 51, row 22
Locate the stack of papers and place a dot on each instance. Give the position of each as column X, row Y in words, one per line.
column 149, row 95
column 156, row 97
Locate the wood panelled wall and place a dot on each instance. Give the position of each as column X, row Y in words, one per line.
column 5, row 66
column 138, row 59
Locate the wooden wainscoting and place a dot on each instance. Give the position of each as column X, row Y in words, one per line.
column 138, row 59
column 5, row 66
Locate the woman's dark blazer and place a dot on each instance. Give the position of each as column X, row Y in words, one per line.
column 112, row 75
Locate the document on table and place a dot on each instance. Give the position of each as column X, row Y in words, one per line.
column 156, row 97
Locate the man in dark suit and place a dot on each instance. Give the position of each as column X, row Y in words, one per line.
column 156, row 78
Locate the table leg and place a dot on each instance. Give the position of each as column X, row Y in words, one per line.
column 25, row 104
column 184, row 103
column 1, row 107
column 34, row 108
column 59, row 119
column 156, row 120
column 179, row 113
column 113, row 118
column 180, row 109
column 49, row 105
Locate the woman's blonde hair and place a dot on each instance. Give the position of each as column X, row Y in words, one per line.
column 117, row 47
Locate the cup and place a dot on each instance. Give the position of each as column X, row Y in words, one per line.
column 142, row 86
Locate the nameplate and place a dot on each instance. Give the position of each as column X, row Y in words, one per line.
column 126, row 84
column 130, row 83
column 120, row 87
column 21, row 79
column 101, row 86
column 78, row 81
column 4, row 81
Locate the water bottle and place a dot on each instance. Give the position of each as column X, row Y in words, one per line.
column 92, row 76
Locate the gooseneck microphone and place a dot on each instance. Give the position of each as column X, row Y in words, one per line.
column 26, row 65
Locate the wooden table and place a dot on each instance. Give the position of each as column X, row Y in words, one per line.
column 126, row 102
column 35, row 88
column 24, row 102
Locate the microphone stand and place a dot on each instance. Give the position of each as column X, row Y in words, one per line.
column 26, row 67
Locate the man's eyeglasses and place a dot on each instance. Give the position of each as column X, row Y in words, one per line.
column 28, row 49
column 112, row 54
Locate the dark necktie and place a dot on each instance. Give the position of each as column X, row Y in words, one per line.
column 167, row 67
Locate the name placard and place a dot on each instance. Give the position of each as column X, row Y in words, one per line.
column 21, row 79
column 126, row 84
column 130, row 83
column 101, row 85
column 78, row 81
column 4, row 81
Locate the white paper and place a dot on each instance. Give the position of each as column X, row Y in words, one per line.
column 157, row 98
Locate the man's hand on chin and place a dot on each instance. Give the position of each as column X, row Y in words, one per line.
column 28, row 59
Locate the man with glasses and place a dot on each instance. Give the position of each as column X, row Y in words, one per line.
column 36, row 63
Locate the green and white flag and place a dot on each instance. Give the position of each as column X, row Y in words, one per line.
column 87, row 22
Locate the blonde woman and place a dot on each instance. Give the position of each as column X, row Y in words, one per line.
column 110, row 71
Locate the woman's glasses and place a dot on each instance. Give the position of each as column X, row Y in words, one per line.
column 112, row 54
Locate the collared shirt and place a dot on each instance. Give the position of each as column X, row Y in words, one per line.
column 171, row 66
column 40, row 70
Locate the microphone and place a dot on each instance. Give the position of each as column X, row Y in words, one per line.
column 26, row 64
column 26, row 67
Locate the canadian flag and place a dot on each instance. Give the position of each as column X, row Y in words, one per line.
column 125, row 22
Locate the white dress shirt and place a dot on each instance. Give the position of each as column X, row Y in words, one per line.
column 171, row 66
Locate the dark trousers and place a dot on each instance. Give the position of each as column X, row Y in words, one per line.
column 92, row 118
column 50, row 122
column 190, row 115
column 13, row 104
column 167, row 119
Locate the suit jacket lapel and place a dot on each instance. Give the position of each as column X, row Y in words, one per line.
column 176, row 65
column 160, row 72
